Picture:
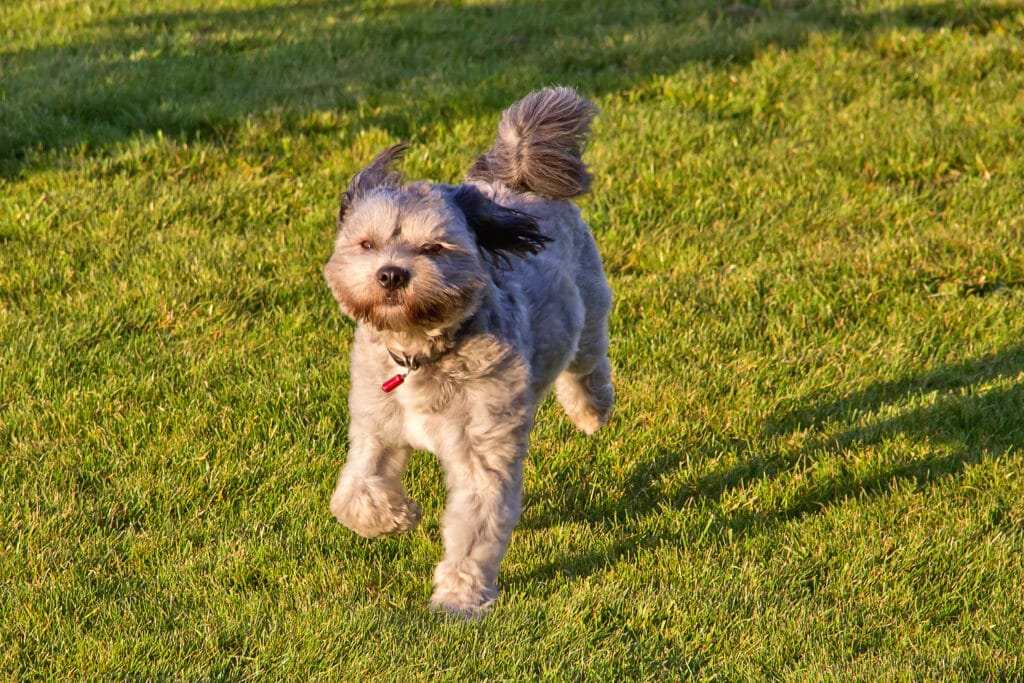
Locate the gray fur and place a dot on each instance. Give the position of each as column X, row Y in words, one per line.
column 493, row 338
column 540, row 144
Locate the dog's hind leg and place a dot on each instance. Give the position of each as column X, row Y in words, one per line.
column 584, row 389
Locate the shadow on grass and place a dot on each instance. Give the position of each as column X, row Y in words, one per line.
column 951, row 408
column 401, row 67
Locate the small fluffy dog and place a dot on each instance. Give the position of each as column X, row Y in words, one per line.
column 471, row 301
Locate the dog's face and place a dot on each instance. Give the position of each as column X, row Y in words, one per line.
column 411, row 257
column 404, row 258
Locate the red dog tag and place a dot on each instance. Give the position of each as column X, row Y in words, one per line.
column 392, row 384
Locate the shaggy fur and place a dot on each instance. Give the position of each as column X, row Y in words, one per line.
column 484, row 295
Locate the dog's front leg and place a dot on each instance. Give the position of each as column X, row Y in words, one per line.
column 370, row 498
column 484, row 503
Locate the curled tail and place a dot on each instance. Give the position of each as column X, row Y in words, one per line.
column 539, row 145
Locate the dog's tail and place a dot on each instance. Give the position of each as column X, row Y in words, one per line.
column 540, row 144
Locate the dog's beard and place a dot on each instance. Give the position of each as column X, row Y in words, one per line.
column 407, row 310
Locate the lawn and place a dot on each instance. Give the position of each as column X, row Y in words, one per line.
column 811, row 217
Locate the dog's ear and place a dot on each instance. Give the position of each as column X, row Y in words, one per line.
column 500, row 232
column 377, row 174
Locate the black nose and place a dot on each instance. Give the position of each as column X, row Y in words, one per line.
column 392, row 277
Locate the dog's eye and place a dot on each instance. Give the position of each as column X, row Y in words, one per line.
column 367, row 245
column 431, row 249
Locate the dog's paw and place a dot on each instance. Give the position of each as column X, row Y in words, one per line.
column 588, row 421
column 467, row 607
column 461, row 590
column 588, row 403
column 371, row 509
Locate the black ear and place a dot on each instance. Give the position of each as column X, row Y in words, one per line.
column 500, row 232
column 377, row 174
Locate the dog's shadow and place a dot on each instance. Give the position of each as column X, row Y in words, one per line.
column 961, row 413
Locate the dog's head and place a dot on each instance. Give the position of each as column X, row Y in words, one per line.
column 417, row 256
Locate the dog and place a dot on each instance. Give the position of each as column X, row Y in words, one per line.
column 471, row 301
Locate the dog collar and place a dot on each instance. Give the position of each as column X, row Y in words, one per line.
column 413, row 363
column 410, row 363
column 394, row 382
column 406, row 361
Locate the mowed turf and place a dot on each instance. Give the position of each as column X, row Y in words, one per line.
column 811, row 217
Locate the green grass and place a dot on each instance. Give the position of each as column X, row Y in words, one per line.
column 811, row 218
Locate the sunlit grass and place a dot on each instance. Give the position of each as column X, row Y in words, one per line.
column 810, row 216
